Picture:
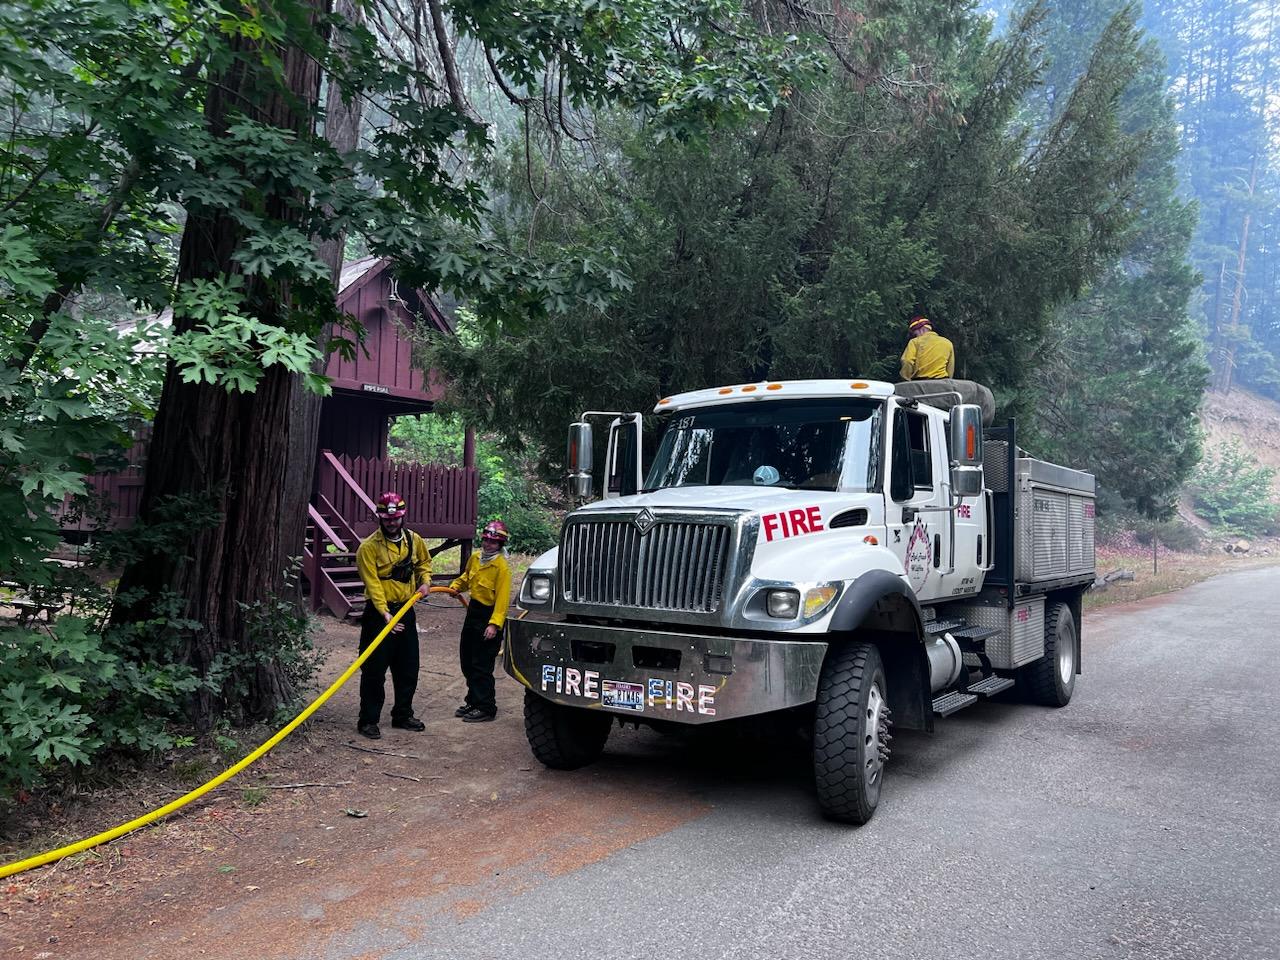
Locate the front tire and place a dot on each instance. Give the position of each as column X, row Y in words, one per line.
column 564, row 738
column 851, row 733
column 1051, row 681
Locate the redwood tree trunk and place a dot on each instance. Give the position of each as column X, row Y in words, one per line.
column 248, row 455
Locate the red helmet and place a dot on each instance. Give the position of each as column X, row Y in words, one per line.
column 495, row 530
column 391, row 506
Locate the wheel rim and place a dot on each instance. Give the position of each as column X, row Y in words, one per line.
column 874, row 737
column 1066, row 651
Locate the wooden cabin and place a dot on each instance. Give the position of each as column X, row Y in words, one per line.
column 352, row 463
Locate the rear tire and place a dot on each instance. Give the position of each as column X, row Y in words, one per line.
column 1051, row 680
column 564, row 738
column 851, row 733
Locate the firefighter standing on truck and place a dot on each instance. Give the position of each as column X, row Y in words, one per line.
column 393, row 563
column 488, row 578
column 928, row 356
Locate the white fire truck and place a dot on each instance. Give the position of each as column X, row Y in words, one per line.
column 831, row 549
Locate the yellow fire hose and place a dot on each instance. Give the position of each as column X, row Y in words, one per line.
column 19, row 866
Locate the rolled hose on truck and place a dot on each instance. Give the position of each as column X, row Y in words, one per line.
column 20, row 866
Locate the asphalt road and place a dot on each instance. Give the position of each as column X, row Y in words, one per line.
column 1143, row 821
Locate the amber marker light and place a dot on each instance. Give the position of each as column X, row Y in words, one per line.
column 723, row 390
column 858, row 386
column 774, row 386
column 750, row 388
column 664, row 400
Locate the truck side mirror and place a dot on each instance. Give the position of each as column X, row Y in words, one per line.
column 622, row 463
column 966, row 450
column 579, row 460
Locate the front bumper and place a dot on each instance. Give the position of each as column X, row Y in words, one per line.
column 653, row 675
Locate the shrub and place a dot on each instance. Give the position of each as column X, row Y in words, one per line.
column 1233, row 491
column 507, row 491
column 68, row 693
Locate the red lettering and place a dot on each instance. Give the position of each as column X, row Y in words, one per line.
column 770, row 521
column 798, row 522
column 815, row 520
column 792, row 523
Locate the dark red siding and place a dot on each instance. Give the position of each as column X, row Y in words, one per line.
column 355, row 425
column 383, row 363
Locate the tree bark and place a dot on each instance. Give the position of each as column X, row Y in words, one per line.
column 342, row 131
column 240, row 452
column 1227, row 372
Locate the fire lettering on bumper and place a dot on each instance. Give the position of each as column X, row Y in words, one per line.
column 660, row 694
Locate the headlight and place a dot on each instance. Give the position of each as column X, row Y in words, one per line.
column 539, row 587
column 783, row 604
column 816, row 599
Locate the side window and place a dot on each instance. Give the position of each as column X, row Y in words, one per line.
column 901, row 487
column 921, row 460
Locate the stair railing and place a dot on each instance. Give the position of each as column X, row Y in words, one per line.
column 322, row 589
column 339, row 520
column 341, row 488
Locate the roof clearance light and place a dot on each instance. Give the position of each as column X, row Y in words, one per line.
column 774, row 386
column 749, row 388
column 859, row 385
column 723, row 390
column 664, row 400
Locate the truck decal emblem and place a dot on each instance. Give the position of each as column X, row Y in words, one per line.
column 644, row 521
column 919, row 556
column 791, row 523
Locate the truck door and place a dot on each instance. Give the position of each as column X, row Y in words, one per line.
column 920, row 538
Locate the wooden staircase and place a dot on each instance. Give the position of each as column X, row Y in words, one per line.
column 442, row 504
column 329, row 561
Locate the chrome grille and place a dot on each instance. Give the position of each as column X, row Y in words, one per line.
column 677, row 565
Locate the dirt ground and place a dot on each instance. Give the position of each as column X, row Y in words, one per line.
column 1170, row 570
column 457, row 815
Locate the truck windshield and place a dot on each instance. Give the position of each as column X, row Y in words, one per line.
column 799, row 445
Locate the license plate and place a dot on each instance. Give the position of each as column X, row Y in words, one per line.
column 619, row 695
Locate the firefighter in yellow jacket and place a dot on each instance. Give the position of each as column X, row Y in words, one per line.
column 488, row 579
column 393, row 563
column 928, row 356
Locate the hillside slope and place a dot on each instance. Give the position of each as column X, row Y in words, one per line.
column 1252, row 420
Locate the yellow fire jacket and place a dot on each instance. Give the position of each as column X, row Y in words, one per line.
column 488, row 583
column 375, row 558
column 928, row 357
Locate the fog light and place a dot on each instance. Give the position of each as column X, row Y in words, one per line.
column 816, row 600
column 783, row 604
column 540, row 588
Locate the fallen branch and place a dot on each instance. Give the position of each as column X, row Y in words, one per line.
column 385, row 753
column 401, row 776
column 299, row 786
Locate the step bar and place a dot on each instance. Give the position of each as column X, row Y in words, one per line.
column 956, row 700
